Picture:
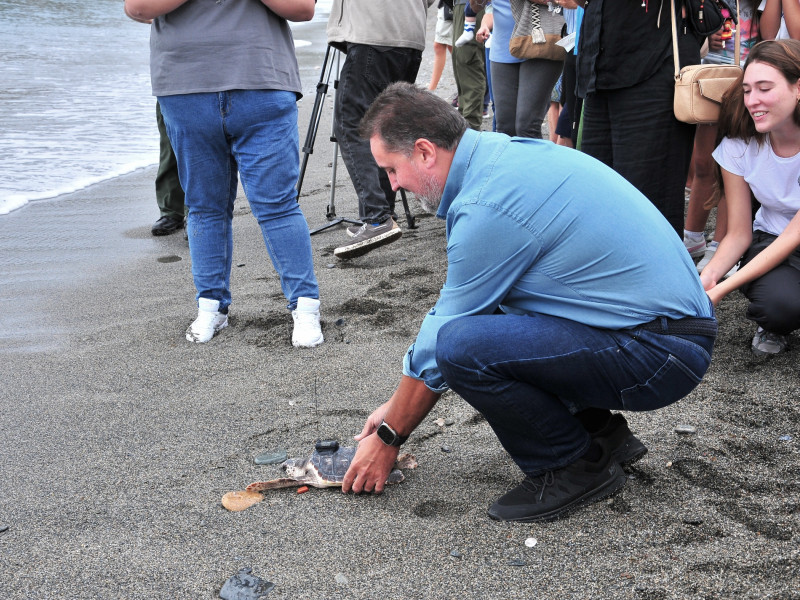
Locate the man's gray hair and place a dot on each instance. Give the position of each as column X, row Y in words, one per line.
column 404, row 113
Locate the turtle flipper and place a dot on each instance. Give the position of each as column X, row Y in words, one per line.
column 273, row 484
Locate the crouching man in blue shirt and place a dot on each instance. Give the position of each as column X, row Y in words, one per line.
column 568, row 295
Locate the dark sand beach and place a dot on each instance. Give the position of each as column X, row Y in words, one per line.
column 118, row 438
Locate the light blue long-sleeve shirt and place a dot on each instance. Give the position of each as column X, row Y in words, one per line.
column 533, row 227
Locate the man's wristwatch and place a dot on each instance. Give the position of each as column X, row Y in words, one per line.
column 389, row 436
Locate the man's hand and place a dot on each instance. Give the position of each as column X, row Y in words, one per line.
column 373, row 422
column 374, row 460
column 371, row 466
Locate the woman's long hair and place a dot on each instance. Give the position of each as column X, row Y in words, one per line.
column 735, row 121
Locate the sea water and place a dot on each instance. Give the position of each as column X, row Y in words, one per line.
column 75, row 94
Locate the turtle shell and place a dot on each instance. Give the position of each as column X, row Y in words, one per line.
column 332, row 465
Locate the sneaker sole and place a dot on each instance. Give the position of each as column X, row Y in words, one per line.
column 763, row 354
column 611, row 486
column 310, row 345
column 361, row 248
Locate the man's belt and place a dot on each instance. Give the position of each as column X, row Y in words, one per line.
column 685, row 326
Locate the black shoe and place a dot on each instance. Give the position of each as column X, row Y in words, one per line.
column 167, row 225
column 625, row 447
column 552, row 495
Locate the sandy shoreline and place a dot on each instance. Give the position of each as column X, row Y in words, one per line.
column 118, row 438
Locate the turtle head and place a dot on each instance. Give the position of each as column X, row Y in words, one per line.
column 294, row 467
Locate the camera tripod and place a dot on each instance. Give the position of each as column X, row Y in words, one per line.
column 308, row 147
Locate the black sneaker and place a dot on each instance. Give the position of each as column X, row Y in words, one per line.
column 625, row 447
column 552, row 495
column 368, row 238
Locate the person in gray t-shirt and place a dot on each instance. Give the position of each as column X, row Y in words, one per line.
column 227, row 82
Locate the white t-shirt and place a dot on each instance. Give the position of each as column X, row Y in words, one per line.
column 775, row 181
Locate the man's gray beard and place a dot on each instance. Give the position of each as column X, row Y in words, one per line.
column 430, row 196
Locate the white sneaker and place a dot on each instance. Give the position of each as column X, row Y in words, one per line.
column 710, row 250
column 465, row 38
column 694, row 248
column 307, row 331
column 208, row 322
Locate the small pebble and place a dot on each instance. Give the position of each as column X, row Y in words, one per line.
column 516, row 562
column 530, row 542
column 439, row 422
column 272, row 457
column 785, row 438
column 683, row 428
column 669, row 464
column 330, row 266
column 449, row 422
column 456, row 554
column 341, row 579
column 446, row 449
column 244, row 586
column 302, row 489
column 3, row 528
column 693, row 521
column 240, row 265
column 339, row 322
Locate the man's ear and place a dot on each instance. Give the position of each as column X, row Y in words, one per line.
column 425, row 151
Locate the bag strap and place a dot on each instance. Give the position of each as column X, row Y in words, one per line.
column 737, row 40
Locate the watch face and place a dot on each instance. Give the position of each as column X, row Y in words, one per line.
column 386, row 434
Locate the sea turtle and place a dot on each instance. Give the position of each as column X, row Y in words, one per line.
column 325, row 467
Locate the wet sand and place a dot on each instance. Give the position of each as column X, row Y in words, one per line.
column 118, row 438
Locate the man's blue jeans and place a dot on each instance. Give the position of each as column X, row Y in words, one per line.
column 529, row 375
column 254, row 133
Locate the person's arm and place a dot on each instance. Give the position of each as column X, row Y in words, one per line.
column 766, row 260
column 147, row 10
column 737, row 239
column 791, row 14
column 127, row 14
column 408, row 406
column 770, row 21
column 487, row 23
column 291, row 10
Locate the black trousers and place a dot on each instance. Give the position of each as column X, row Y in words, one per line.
column 366, row 72
column 634, row 131
column 774, row 297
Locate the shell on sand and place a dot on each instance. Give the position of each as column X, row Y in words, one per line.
column 240, row 500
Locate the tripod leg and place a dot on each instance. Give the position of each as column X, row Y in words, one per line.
column 316, row 115
column 409, row 217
